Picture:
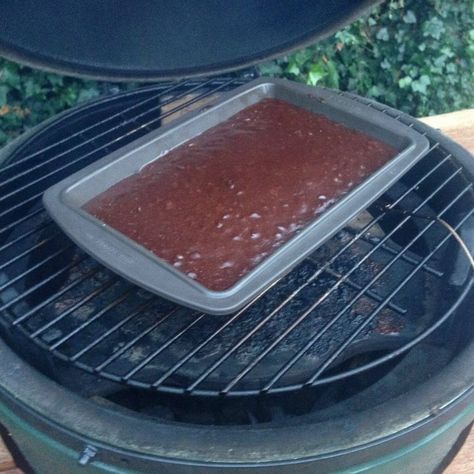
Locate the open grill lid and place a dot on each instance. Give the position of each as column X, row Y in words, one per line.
column 159, row 39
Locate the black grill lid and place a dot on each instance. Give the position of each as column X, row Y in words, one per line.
column 158, row 39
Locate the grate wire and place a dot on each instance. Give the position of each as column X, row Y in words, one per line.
column 295, row 334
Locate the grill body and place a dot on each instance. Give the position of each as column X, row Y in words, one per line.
column 57, row 431
column 410, row 430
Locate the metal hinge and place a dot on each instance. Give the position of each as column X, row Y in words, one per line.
column 87, row 454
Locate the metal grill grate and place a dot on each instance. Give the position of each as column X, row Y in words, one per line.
column 366, row 296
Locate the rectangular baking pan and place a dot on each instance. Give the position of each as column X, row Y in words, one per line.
column 64, row 200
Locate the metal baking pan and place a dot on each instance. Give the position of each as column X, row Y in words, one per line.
column 129, row 259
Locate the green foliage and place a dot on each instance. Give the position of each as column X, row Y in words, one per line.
column 28, row 96
column 415, row 55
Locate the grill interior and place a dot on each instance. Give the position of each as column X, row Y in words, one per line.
column 384, row 283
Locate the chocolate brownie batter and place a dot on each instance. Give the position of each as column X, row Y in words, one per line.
column 219, row 204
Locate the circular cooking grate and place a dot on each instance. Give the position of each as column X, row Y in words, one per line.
column 381, row 285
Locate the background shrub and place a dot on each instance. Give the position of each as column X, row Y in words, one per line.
column 416, row 55
column 29, row 96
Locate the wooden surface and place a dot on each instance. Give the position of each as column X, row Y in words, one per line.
column 460, row 127
column 6, row 460
column 457, row 125
column 463, row 463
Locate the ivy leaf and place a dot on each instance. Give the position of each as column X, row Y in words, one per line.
column 87, row 94
column 383, row 34
column 55, row 80
column 315, row 74
column 421, row 84
column 385, row 64
column 346, row 37
column 374, row 91
column 451, row 68
column 10, row 77
column 332, row 75
column 3, row 95
column 270, row 69
column 31, row 88
column 293, row 68
column 409, row 17
column 433, row 28
column 405, row 82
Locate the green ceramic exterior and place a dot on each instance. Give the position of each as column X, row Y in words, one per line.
column 49, row 456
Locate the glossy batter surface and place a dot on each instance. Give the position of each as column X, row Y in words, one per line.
column 218, row 205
